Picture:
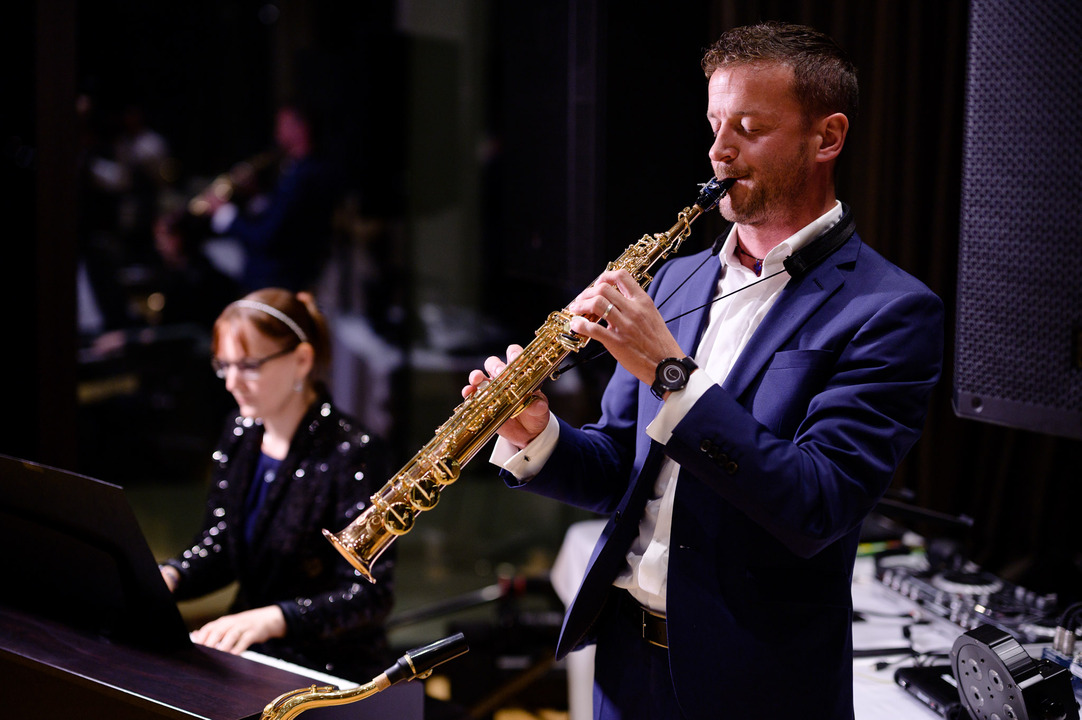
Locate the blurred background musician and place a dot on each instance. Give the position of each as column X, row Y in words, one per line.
column 285, row 227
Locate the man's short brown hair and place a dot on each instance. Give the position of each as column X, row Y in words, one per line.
column 825, row 80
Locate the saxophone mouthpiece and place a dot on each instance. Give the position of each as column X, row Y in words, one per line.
column 713, row 191
column 420, row 661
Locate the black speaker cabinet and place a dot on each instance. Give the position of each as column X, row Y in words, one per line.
column 1018, row 360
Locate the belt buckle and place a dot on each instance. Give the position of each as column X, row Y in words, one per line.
column 659, row 619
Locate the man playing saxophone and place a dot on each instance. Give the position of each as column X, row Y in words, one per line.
column 741, row 445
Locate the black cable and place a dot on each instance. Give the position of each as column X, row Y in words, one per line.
column 582, row 360
column 726, row 295
column 859, row 615
column 714, row 250
column 926, row 657
column 919, row 659
column 1069, row 614
column 883, row 652
column 797, row 265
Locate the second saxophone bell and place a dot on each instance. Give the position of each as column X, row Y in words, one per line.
column 416, row 487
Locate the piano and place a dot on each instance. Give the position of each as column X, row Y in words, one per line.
column 88, row 629
column 50, row 671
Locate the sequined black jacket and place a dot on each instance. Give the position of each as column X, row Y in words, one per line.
column 334, row 616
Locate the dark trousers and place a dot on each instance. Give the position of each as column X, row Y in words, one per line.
column 631, row 677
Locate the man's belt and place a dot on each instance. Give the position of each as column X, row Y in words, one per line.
column 649, row 625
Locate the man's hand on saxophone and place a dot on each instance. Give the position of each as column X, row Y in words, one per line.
column 526, row 425
column 615, row 311
column 633, row 330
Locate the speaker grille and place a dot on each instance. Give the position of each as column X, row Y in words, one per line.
column 1019, row 306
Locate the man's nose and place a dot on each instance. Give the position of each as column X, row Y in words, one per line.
column 723, row 150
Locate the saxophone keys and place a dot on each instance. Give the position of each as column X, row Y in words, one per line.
column 398, row 518
column 530, row 400
column 423, row 494
column 446, row 470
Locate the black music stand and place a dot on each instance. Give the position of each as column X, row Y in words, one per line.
column 72, row 550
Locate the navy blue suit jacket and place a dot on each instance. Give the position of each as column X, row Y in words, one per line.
column 779, row 466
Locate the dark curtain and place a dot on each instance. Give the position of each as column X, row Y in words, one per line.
column 901, row 172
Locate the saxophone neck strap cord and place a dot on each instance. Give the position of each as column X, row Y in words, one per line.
column 797, row 265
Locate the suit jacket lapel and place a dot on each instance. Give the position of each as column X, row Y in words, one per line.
column 705, row 295
column 689, row 328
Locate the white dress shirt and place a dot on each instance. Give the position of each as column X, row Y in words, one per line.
column 742, row 301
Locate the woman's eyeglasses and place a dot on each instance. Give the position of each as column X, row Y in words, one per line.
column 247, row 367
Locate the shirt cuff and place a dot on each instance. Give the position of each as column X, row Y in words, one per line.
column 528, row 461
column 677, row 405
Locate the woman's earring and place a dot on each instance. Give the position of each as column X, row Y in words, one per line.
column 298, row 386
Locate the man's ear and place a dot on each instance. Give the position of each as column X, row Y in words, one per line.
column 832, row 130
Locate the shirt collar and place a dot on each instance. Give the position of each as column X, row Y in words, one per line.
column 774, row 259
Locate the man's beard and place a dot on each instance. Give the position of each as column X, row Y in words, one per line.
column 769, row 200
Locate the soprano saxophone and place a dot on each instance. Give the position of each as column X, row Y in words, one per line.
column 416, row 487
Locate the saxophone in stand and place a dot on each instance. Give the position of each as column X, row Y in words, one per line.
column 417, row 486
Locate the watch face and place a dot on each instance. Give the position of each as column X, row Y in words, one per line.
column 672, row 374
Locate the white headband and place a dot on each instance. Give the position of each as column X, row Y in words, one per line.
column 275, row 313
